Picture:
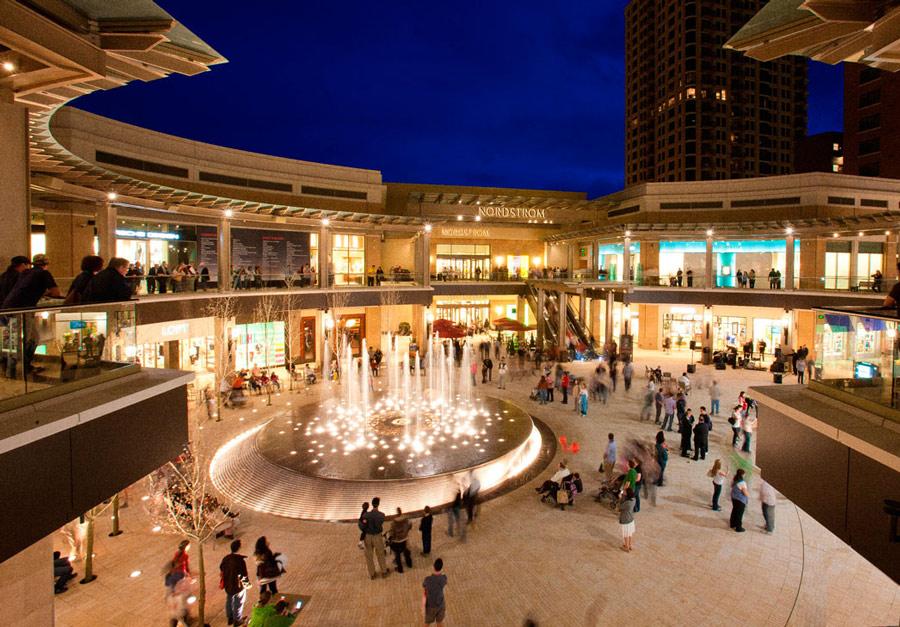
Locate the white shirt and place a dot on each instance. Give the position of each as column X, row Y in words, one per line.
column 561, row 474
column 748, row 423
column 685, row 381
column 767, row 494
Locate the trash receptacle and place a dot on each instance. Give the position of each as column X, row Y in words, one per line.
column 692, row 368
column 777, row 376
column 706, row 356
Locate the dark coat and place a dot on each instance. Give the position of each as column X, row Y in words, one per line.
column 701, row 435
column 107, row 286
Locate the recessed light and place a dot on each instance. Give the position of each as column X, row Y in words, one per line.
column 112, row 195
column 326, row 222
column 229, row 213
column 709, row 232
column 428, row 228
column 135, row 573
column 477, row 218
column 9, row 66
column 459, row 218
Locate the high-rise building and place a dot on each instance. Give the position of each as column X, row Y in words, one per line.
column 822, row 152
column 871, row 131
column 695, row 111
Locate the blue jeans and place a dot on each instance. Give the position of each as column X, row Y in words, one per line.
column 747, row 437
column 717, row 490
column 234, row 606
column 714, row 406
column 668, row 419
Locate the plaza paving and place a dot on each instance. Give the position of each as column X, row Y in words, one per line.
column 526, row 559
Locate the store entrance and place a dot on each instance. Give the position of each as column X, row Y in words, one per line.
column 463, row 268
column 681, row 329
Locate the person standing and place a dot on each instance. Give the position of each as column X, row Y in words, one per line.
column 748, row 424
column 609, row 458
column 685, row 428
column 735, row 422
column 659, row 400
column 374, row 527
column 768, row 498
column 435, row 606
column 233, row 571
column 90, row 265
column 501, row 374
column 714, row 395
column 638, row 483
column 564, row 387
column 717, row 474
column 425, row 529
column 613, row 374
column 701, row 439
column 740, row 496
column 662, row 455
column 669, row 406
column 800, row 369
column 582, row 399
column 268, row 566
column 361, row 523
column 17, row 265
column 627, row 374
column 626, row 518
column 400, row 528
column 453, row 516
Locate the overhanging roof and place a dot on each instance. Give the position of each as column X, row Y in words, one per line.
column 831, row 31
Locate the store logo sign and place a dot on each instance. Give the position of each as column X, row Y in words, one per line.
column 172, row 330
column 527, row 213
column 450, row 231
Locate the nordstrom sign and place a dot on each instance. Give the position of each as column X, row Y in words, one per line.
column 528, row 213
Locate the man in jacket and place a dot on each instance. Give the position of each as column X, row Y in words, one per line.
column 17, row 265
column 233, row 570
column 109, row 285
column 701, row 439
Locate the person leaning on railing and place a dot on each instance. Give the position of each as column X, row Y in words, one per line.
column 109, row 285
column 90, row 266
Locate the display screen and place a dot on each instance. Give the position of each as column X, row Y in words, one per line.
column 865, row 370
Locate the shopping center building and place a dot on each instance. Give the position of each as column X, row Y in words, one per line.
column 695, row 267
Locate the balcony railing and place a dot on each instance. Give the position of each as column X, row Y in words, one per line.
column 50, row 350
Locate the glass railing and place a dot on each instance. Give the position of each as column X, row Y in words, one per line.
column 856, row 356
column 856, row 284
column 49, row 350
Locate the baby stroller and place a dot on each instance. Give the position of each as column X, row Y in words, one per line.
column 609, row 492
column 561, row 494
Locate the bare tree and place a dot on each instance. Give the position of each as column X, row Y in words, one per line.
column 222, row 309
column 181, row 504
column 388, row 298
column 289, row 304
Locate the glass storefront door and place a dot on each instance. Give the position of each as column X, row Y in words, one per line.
column 769, row 330
column 680, row 329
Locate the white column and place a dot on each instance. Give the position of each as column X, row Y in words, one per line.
column 595, row 260
column 854, row 264
column 425, row 258
column 15, row 199
column 788, row 278
column 223, row 254
column 626, row 261
column 610, row 303
column 710, row 280
column 541, row 304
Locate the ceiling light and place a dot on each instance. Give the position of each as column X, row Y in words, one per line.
column 627, row 233
column 477, row 218
column 459, row 218
column 229, row 213
column 135, row 573
column 326, row 222
column 112, row 195
column 834, row 235
column 709, row 232
column 789, row 230
column 428, row 228
column 887, row 232
column 9, row 66
column 861, row 234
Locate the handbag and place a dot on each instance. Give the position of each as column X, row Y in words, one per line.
column 562, row 496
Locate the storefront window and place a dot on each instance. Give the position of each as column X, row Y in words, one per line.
column 258, row 344
column 348, row 254
column 729, row 257
column 771, row 331
column 870, row 259
column 729, row 331
column 611, row 258
column 681, row 326
column 454, row 262
column 467, row 313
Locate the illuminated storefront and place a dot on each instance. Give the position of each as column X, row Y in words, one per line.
column 729, row 258
column 151, row 244
column 464, row 312
column 179, row 344
column 463, row 261
column 348, row 258
column 611, row 260
column 682, row 325
column 258, row 344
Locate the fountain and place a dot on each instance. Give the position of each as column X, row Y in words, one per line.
column 421, row 437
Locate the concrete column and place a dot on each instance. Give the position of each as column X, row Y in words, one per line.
column 788, row 334
column 854, row 261
column 15, row 198
column 69, row 238
column 425, row 259
column 26, row 590
column 521, row 304
column 582, row 308
column 709, row 271
column 706, row 337
column 172, row 355
column 610, row 303
column 223, row 254
column 106, row 229
column 595, row 260
column 788, row 278
column 324, row 256
column 570, row 260
column 596, row 310
column 541, row 306
column 626, row 261
column 561, row 323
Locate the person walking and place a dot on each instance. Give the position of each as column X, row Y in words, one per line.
column 434, row 603
column 425, row 525
column 609, row 458
column 659, row 400
column 740, row 496
column 453, row 516
column 400, row 528
column 714, row 395
column 626, row 518
column 582, row 399
column 768, row 498
column 627, row 374
column 234, row 581
column 374, row 528
column 662, row 456
column 501, row 374
column 613, row 374
column 647, row 407
column 701, row 439
column 268, row 566
column 717, row 474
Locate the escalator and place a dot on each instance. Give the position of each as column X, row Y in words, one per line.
column 575, row 329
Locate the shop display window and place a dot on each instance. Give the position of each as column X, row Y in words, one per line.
column 348, row 254
column 258, row 344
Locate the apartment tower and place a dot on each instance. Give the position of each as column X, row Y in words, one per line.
column 695, row 111
column 871, row 130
